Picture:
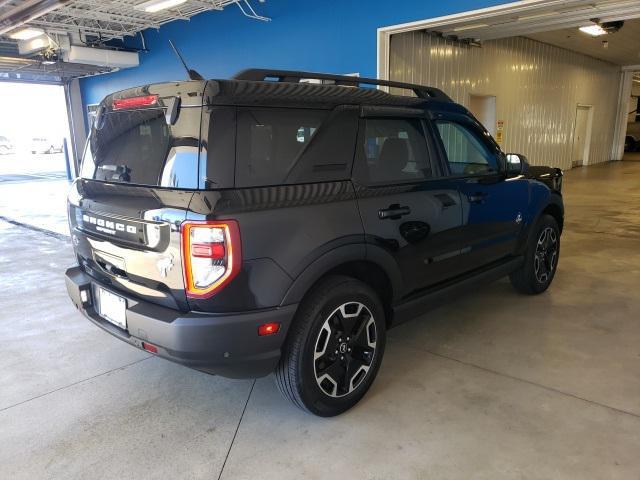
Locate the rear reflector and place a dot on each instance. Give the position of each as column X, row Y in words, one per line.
column 149, row 348
column 268, row 329
column 135, row 102
column 211, row 256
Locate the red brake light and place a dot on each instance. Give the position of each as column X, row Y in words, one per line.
column 207, row 250
column 212, row 257
column 268, row 329
column 135, row 102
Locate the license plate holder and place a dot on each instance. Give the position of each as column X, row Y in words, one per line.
column 112, row 308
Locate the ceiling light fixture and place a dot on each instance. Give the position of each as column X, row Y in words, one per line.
column 26, row 33
column 602, row 28
column 153, row 6
column 593, row 30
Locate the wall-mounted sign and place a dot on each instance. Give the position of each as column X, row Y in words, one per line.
column 500, row 131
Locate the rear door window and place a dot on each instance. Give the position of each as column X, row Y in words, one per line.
column 395, row 151
column 139, row 147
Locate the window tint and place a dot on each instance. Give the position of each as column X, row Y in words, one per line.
column 395, row 150
column 466, row 153
column 139, row 147
column 270, row 141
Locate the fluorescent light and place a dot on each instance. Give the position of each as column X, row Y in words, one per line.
column 153, row 6
column 593, row 30
column 470, row 27
column 26, row 33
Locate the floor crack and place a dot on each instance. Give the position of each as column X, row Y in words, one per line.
column 244, row 409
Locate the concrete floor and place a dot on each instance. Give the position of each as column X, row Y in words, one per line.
column 493, row 386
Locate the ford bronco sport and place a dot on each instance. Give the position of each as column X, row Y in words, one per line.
column 264, row 224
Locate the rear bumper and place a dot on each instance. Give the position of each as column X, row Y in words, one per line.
column 223, row 344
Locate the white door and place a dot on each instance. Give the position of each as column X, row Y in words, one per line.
column 483, row 108
column 582, row 135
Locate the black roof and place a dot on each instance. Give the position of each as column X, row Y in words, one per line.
column 288, row 88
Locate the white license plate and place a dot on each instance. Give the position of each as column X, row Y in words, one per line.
column 113, row 308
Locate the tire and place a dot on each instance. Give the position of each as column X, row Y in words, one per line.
column 305, row 375
column 541, row 258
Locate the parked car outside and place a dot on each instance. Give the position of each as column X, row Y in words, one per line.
column 245, row 227
column 44, row 145
column 6, row 147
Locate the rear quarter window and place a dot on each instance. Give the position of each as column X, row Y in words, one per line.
column 277, row 146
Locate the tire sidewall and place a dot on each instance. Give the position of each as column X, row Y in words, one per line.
column 316, row 400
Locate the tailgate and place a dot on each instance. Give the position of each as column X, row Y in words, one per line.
column 128, row 237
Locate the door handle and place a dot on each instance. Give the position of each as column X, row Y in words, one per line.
column 393, row 212
column 478, row 197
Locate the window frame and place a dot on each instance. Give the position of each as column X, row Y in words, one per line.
column 360, row 160
column 479, row 132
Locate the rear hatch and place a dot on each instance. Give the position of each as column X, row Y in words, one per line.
column 138, row 174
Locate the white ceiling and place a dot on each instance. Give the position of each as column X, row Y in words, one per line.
column 623, row 47
column 528, row 16
column 110, row 19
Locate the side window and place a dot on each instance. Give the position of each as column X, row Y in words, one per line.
column 395, row 150
column 270, row 140
column 466, row 153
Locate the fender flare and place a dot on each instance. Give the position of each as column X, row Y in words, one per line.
column 336, row 257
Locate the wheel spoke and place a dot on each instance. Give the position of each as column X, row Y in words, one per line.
column 349, row 313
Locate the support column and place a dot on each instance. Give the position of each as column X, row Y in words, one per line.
column 77, row 126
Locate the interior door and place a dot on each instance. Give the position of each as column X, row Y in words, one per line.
column 493, row 205
column 580, row 136
column 407, row 209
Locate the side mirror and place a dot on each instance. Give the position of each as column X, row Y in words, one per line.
column 517, row 164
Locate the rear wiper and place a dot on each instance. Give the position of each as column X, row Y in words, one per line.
column 121, row 173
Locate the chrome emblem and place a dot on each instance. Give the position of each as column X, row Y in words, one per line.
column 165, row 264
column 519, row 218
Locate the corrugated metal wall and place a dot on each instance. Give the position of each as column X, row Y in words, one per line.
column 537, row 88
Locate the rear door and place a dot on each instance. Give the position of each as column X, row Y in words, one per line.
column 493, row 205
column 139, row 171
column 407, row 208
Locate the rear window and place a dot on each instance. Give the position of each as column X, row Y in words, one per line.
column 138, row 147
column 281, row 146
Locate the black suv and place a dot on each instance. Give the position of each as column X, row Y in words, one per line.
column 269, row 224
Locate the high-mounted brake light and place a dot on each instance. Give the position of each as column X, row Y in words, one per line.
column 135, row 102
column 211, row 254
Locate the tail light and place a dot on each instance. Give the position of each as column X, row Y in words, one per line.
column 211, row 256
column 135, row 102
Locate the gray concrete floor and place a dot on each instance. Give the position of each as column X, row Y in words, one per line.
column 493, row 386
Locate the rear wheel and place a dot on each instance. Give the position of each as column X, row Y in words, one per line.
column 335, row 347
column 541, row 258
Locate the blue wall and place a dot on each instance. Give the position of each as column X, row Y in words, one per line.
column 336, row 36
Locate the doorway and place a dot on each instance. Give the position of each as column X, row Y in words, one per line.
column 582, row 135
column 483, row 108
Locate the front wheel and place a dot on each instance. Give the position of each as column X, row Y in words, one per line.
column 335, row 347
column 541, row 258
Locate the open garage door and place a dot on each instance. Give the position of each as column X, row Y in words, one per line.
column 558, row 72
column 34, row 158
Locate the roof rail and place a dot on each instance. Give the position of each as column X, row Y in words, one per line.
column 261, row 74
